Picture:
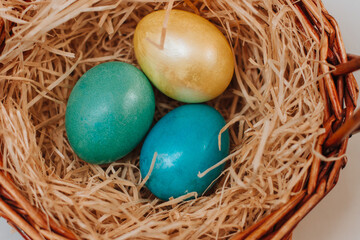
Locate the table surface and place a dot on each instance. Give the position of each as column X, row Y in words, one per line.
column 338, row 215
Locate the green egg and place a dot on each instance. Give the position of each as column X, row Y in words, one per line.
column 109, row 111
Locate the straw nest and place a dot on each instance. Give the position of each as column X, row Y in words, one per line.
column 273, row 108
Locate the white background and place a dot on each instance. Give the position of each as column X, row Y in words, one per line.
column 338, row 215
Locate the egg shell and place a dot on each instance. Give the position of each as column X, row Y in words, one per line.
column 186, row 142
column 196, row 63
column 109, row 111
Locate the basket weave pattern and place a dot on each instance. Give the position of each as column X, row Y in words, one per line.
column 339, row 91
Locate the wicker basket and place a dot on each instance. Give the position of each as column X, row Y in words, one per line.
column 340, row 92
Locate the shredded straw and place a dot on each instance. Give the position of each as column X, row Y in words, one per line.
column 273, row 108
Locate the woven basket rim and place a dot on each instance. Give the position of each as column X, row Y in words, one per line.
column 339, row 122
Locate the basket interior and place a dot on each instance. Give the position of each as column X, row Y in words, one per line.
column 273, row 108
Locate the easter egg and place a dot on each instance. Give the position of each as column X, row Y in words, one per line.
column 195, row 63
column 109, row 111
column 186, row 143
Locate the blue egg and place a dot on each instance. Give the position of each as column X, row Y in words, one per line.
column 186, row 142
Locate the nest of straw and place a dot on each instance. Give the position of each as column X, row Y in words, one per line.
column 273, row 108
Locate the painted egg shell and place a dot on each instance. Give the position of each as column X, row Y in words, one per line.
column 196, row 63
column 186, row 142
column 109, row 111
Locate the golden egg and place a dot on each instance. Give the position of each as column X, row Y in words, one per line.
column 195, row 62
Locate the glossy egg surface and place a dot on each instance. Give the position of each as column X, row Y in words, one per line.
column 196, row 63
column 186, row 142
column 109, row 111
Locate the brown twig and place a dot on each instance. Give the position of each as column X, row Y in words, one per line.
column 2, row 34
column 18, row 197
column 347, row 67
column 315, row 167
column 19, row 221
column 350, row 79
column 351, row 56
column 349, row 126
column 334, row 175
column 267, row 224
column 23, row 235
column 301, row 212
column 38, row 217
